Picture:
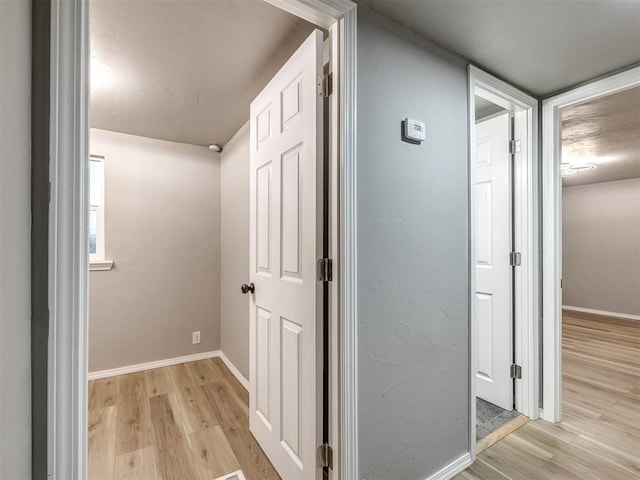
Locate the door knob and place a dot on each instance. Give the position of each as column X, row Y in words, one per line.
column 248, row 288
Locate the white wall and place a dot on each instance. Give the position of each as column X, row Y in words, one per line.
column 162, row 220
column 601, row 246
column 15, row 211
column 234, row 229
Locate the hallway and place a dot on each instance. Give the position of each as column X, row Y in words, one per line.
column 599, row 436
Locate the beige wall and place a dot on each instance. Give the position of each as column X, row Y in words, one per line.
column 162, row 220
column 234, row 201
column 15, row 210
column 601, row 246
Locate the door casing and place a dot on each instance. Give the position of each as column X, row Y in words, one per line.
column 68, row 220
column 525, row 230
column 552, row 228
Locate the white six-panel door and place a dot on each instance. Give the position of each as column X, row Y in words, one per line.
column 493, row 269
column 286, row 240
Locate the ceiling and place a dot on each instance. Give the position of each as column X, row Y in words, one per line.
column 539, row 45
column 185, row 70
column 606, row 132
column 485, row 108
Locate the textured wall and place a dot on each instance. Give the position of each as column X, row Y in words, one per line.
column 15, row 181
column 413, row 313
column 601, row 246
column 162, row 222
column 234, row 248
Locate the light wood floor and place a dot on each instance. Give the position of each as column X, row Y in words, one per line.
column 599, row 436
column 191, row 421
column 185, row 422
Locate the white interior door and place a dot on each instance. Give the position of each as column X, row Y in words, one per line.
column 286, row 240
column 493, row 268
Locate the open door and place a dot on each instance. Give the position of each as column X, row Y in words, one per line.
column 493, row 266
column 286, row 240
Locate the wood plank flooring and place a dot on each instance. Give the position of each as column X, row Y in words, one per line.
column 599, row 436
column 190, row 421
column 184, row 422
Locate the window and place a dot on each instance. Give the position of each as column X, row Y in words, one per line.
column 96, row 214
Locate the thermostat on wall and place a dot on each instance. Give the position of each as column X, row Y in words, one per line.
column 414, row 131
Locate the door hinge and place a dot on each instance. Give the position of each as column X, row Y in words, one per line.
column 515, row 259
column 515, row 371
column 514, row 147
column 325, row 85
column 324, row 270
column 325, row 456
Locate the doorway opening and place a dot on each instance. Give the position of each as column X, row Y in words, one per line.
column 601, row 268
column 504, row 258
column 567, row 119
column 80, row 219
column 206, row 173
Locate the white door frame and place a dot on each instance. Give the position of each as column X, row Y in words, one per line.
column 552, row 228
column 68, row 247
column 526, row 237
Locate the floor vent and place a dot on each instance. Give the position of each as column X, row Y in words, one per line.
column 233, row 476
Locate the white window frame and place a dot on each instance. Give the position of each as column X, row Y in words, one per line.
column 98, row 260
column 99, row 256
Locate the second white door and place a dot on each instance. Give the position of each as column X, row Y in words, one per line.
column 493, row 266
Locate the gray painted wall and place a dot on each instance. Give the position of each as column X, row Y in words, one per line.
column 162, row 221
column 234, row 246
column 15, row 210
column 413, row 312
column 601, row 246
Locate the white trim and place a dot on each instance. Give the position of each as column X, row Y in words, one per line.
column 322, row 13
column 141, row 367
column 347, row 268
column 68, row 248
column 335, row 428
column 473, row 319
column 526, row 238
column 454, row 468
column 236, row 373
column 625, row 316
column 552, row 228
column 68, row 245
column 100, row 265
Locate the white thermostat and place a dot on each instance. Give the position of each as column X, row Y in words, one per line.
column 414, row 130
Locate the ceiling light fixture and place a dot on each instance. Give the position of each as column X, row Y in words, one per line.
column 214, row 147
column 571, row 169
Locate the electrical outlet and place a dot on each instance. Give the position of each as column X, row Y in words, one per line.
column 195, row 337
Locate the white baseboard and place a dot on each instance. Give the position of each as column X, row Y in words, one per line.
column 140, row 367
column 625, row 316
column 234, row 370
column 453, row 469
